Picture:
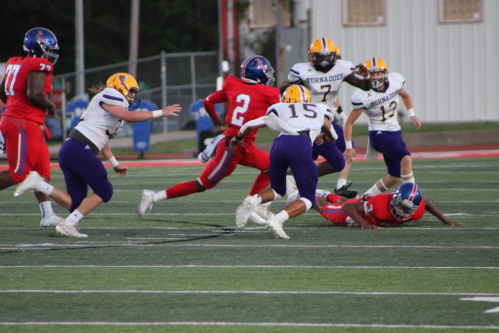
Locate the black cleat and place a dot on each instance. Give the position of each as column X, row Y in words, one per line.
column 345, row 192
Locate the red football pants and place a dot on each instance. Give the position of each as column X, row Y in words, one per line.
column 26, row 149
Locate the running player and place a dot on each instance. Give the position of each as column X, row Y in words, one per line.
column 248, row 97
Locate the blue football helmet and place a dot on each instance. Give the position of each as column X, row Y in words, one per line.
column 257, row 69
column 405, row 201
column 41, row 43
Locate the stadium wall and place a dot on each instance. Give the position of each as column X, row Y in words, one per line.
column 451, row 70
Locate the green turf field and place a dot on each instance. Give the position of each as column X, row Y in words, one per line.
column 184, row 267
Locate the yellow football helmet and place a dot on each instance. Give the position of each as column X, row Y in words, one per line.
column 322, row 54
column 377, row 65
column 338, row 53
column 296, row 94
column 125, row 84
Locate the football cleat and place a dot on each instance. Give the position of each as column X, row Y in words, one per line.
column 261, row 213
column 276, row 228
column 322, row 193
column 51, row 221
column 69, row 230
column 146, row 202
column 290, row 185
column 29, row 184
column 345, row 192
column 244, row 210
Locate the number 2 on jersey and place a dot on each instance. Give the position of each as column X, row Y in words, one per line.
column 237, row 119
column 10, row 79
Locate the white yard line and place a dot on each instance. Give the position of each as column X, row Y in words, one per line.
column 251, row 266
column 271, row 324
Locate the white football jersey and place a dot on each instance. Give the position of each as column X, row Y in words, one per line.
column 302, row 116
column 323, row 87
column 381, row 107
column 99, row 125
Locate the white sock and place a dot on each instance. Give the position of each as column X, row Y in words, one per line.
column 373, row 190
column 161, row 195
column 258, row 198
column 44, row 187
column 46, row 209
column 282, row 216
column 340, row 183
column 410, row 180
column 74, row 217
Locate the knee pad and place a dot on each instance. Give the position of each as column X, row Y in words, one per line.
column 307, row 202
column 277, row 195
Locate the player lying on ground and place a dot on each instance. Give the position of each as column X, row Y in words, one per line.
column 249, row 97
column 78, row 159
column 380, row 105
column 382, row 210
column 323, row 76
column 299, row 122
column 24, row 90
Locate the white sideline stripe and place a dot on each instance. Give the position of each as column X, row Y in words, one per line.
column 26, row 246
column 247, row 292
column 226, row 201
column 246, row 266
column 258, row 229
column 220, row 323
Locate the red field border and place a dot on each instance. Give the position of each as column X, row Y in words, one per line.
column 190, row 162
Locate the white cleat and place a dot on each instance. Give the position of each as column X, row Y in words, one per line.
column 276, row 228
column 147, row 202
column 293, row 197
column 51, row 221
column 255, row 218
column 322, row 193
column 244, row 210
column 69, row 230
column 29, row 184
column 290, row 184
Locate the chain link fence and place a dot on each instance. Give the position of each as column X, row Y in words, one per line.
column 166, row 79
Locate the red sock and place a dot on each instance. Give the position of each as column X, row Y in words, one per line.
column 261, row 182
column 333, row 198
column 181, row 190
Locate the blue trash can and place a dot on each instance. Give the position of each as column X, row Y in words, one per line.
column 204, row 125
column 142, row 130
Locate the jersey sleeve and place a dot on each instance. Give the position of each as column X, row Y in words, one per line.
column 210, row 101
column 346, row 67
column 294, row 74
column 40, row 65
column 397, row 77
column 358, row 100
column 327, row 112
column 112, row 97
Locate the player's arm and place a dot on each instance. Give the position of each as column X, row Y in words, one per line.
column 328, row 130
column 288, row 83
column 364, row 84
column 246, row 129
column 406, row 98
column 209, row 105
column 120, row 112
column 430, row 207
column 354, row 209
column 3, row 96
column 36, row 83
column 119, row 168
column 352, row 117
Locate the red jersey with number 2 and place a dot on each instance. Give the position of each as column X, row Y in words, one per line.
column 16, row 87
column 246, row 102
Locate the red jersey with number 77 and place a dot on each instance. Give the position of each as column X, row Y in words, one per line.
column 246, row 102
column 16, row 87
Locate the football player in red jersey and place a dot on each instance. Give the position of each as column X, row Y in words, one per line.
column 24, row 90
column 249, row 98
column 382, row 210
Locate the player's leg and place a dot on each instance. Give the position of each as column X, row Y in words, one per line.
column 221, row 166
column 394, row 151
column 341, row 185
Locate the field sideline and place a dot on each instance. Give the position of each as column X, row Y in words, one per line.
column 185, row 267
